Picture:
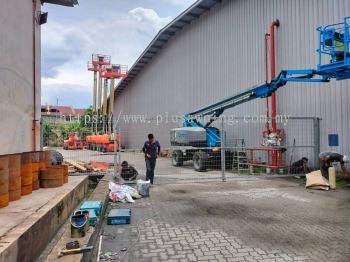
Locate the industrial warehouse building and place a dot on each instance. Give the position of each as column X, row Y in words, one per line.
column 215, row 49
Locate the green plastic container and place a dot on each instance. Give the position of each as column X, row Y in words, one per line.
column 95, row 205
column 119, row 216
column 92, row 217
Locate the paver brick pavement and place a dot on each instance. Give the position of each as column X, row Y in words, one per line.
column 245, row 219
column 236, row 221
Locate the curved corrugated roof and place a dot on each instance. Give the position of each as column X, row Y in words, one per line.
column 193, row 12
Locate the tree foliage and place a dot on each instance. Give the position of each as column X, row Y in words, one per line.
column 55, row 132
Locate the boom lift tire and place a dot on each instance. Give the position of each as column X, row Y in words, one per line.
column 200, row 161
column 178, row 158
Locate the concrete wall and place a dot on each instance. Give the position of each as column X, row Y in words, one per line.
column 32, row 232
column 16, row 76
column 222, row 53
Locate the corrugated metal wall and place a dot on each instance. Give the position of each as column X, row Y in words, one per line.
column 222, row 53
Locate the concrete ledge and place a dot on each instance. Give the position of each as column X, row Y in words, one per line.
column 100, row 193
column 27, row 225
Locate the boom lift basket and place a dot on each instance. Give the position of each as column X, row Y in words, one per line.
column 115, row 71
column 93, row 67
column 334, row 42
column 98, row 59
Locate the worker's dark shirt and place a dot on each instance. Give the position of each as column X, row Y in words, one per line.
column 128, row 172
column 298, row 163
column 152, row 149
column 332, row 157
column 299, row 167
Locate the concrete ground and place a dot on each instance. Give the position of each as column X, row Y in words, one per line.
column 193, row 216
column 165, row 171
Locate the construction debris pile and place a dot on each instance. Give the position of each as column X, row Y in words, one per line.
column 122, row 193
column 86, row 167
column 315, row 180
column 166, row 154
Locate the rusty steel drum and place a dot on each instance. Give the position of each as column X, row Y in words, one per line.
column 4, row 200
column 26, row 173
column 4, row 178
column 52, row 177
column 35, row 170
column 42, row 162
column 15, row 194
column 14, row 177
column 47, row 158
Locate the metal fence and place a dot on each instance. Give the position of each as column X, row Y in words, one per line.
column 241, row 151
column 74, row 141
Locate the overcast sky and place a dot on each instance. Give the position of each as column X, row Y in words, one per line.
column 120, row 28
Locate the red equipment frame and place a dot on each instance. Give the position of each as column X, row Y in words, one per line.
column 102, row 143
column 93, row 67
column 114, row 71
column 274, row 154
column 73, row 142
column 99, row 59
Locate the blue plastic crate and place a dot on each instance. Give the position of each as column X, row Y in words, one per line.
column 94, row 205
column 119, row 216
column 92, row 217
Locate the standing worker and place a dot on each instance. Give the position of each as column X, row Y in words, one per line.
column 326, row 158
column 151, row 149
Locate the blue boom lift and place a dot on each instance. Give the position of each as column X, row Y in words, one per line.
column 199, row 141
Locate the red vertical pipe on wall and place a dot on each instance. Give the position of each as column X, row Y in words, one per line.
column 34, row 79
column 267, row 78
column 274, row 24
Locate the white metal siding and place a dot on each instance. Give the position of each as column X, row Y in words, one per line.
column 16, row 77
column 222, row 53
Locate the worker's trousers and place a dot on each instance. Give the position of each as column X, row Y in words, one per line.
column 324, row 168
column 150, row 166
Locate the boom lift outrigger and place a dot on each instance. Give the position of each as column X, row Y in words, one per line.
column 333, row 42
